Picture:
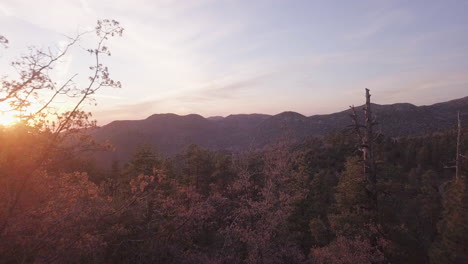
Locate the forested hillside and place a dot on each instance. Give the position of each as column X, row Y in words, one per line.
column 171, row 133
column 287, row 203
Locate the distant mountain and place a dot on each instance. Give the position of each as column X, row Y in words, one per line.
column 215, row 118
column 171, row 134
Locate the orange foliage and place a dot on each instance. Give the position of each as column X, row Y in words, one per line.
column 58, row 216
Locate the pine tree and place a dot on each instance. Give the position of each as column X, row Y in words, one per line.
column 144, row 161
column 452, row 245
column 351, row 217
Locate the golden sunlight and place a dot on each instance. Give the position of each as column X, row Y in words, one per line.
column 7, row 118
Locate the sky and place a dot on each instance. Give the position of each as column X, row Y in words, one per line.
column 221, row 57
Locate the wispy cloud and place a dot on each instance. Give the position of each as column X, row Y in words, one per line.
column 378, row 22
column 221, row 56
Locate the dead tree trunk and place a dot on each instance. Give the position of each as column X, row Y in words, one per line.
column 366, row 139
column 458, row 159
column 369, row 160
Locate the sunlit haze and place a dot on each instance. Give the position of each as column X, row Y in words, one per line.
column 7, row 118
column 221, row 57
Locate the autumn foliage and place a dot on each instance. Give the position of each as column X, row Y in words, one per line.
column 283, row 204
column 302, row 202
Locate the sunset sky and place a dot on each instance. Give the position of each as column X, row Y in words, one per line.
column 221, row 57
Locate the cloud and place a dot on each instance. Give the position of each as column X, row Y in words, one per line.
column 228, row 90
column 62, row 71
column 378, row 22
column 420, row 86
column 5, row 10
column 222, row 56
column 86, row 7
column 133, row 111
column 180, row 103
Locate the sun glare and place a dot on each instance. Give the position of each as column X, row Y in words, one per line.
column 7, row 119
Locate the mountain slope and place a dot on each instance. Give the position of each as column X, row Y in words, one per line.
column 171, row 134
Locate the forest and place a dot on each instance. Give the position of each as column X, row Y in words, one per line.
column 352, row 196
column 290, row 203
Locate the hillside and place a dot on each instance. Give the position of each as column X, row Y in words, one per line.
column 170, row 134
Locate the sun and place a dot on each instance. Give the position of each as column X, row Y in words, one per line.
column 7, row 118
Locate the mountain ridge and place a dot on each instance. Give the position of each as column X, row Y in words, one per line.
column 462, row 100
column 171, row 133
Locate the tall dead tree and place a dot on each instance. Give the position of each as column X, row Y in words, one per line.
column 458, row 159
column 366, row 137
